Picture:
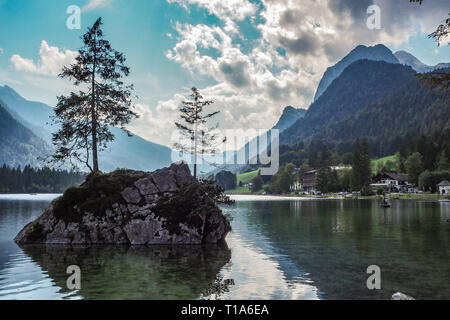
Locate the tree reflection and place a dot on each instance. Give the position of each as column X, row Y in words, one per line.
column 153, row 273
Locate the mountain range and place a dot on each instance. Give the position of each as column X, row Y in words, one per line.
column 18, row 144
column 289, row 116
column 383, row 101
column 375, row 53
column 33, row 121
column 408, row 59
column 359, row 85
column 370, row 92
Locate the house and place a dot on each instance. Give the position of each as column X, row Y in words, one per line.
column 444, row 187
column 392, row 182
column 308, row 180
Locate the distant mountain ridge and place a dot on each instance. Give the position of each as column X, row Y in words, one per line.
column 19, row 146
column 410, row 111
column 362, row 83
column 289, row 116
column 408, row 59
column 375, row 53
column 125, row 152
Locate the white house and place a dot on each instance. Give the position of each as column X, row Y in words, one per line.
column 444, row 187
column 394, row 182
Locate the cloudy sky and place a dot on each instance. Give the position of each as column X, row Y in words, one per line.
column 252, row 57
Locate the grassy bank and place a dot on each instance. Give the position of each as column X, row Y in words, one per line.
column 246, row 177
column 375, row 163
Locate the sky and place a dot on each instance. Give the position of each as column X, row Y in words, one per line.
column 251, row 57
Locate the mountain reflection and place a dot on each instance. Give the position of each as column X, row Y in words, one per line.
column 153, row 273
column 333, row 243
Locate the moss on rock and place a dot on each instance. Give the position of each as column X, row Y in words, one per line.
column 96, row 195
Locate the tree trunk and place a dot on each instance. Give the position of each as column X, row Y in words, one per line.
column 94, row 120
column 195, row 151
column 195, row 142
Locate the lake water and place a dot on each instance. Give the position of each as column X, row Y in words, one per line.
column 279, row 249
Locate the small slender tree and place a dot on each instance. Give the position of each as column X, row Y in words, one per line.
column 257, row 182
column 361, row 168
column 103, row 101
column 196, row 138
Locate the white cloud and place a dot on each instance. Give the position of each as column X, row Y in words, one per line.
column 50, row 63
column 95, row 4
column 234, row 9
column 253, row 86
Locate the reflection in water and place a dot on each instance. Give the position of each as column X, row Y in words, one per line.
column 334, row 242
column 288, row 249
column 154, row 273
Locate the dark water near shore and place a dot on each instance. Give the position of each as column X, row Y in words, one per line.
column 279, row 249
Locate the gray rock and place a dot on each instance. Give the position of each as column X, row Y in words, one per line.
column 128, row 222
column 131, row 195
column 140, row 232
column 151, row 199
column 165, row 180
column 182, row 173
column 146, row 186
column 133, row 208
column 401, row 296
column 59, row 235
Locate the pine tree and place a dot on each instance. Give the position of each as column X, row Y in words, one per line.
column 196, row 137
column 322, row 182
column 257, row 183
column 103, row 101
column 361, row 169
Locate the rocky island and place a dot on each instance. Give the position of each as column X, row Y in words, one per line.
column 128, row 207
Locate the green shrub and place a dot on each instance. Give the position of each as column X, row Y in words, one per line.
column 34, row 232
column 189, row 200
column 380, row 191
column 95, row 195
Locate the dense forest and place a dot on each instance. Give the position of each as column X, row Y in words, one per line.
column 413, row 122
column 31, row 180
column 363, row 83
column 415, row 111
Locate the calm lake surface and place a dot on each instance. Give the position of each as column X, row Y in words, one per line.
column 279, row 249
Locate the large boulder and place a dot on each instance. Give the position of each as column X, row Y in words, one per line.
column 127, row 207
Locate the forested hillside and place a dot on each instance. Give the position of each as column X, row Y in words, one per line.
column 416, row 110
column 32, row 180
column 413, row 119
column 19, row 146
column 130, row 152
column 375, row 53
column 360, row 85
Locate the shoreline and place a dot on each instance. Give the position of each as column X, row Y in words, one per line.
column 419, row 197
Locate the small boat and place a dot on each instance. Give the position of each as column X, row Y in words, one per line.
column 445, row 200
